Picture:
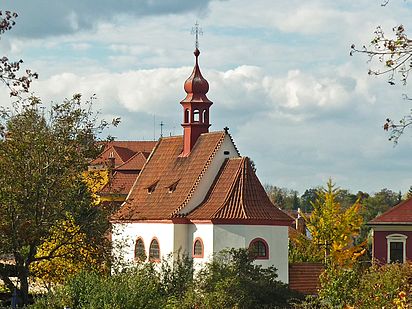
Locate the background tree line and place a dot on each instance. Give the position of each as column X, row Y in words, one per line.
column 373, row 204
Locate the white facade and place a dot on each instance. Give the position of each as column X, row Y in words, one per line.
column 215, row 237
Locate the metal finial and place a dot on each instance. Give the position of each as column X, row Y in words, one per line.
column 197, row 30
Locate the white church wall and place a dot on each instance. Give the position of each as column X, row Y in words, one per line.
column 240, row 236
column 126, row 235
column 181, row 242
column 210, row 174
column 205, row 233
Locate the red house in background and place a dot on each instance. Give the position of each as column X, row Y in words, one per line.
column 392, row 234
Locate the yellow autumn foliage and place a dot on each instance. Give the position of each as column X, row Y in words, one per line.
column 65, row 253
column 95, row 181
column 333, row 229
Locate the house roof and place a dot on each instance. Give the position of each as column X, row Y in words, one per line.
column 238, row 194
column 136, row 162
column 168, row 180
column 120, row 183
column 123, row 151
column 399, row 214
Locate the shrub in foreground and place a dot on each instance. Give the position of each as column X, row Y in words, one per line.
column 231, row 280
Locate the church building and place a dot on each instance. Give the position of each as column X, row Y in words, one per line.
column 196, row 194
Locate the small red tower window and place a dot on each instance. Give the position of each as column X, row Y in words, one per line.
column 196, row 115
column 205, row 116
column 198, row 248
column 187, row 115
column 259, row 249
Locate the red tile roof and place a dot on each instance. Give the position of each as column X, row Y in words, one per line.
column 163, row 169
column 136, row 162
column 123, row 151
column 135, row 146
column 238, row 194
column 399, row 214
column 120, row 183
column 168, row 181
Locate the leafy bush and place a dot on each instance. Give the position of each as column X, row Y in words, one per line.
column 231, row 280
column 137, row 288
column 387, row 286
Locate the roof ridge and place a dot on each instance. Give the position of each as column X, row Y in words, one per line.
column 128, row 160
column 205, row 167
column 390, row 210
column 229, row 192
column 244, row 170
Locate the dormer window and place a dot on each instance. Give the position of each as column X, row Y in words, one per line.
column 173, row 186
column 152, row 187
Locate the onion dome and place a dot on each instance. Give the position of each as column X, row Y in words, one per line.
column 196, row 86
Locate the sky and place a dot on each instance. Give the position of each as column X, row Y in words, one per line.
column 280, row 78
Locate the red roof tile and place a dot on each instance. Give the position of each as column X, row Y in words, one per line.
column 123, row 151
column 121, row 182
column 399, row 214
column 165, row 167
column 238, row 194
column 136, row 162
column 136, row 146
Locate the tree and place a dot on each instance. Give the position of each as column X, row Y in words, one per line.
column 284, row 198
column 9, row 69
column 409, row 193
column 334, row 228
column 309, row 197
column 42, row 159
column 232, row 280
column 393, row 55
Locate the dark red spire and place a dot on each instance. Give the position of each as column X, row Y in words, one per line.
column 196, row 86
column 195, row 107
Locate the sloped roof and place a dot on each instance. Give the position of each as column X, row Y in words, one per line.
column 123, row 151
column 162, row 170
column 399, row 214
column 136, row 146
column 120, row 183
column 136, row 162
column 238, row 194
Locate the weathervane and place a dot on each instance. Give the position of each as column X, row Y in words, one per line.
column 196, row 30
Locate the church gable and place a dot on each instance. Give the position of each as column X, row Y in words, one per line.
column 167, row 169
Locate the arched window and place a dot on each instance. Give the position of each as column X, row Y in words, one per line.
column 196, row 115
column 198, row 248
column 205, row 116
column 187, row 114
column 154, row 250
column 139, row 250
column 259, row 249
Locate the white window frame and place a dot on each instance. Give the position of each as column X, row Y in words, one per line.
column 396, row 238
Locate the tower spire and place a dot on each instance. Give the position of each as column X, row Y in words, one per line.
column 197, row 30
column 196, row 104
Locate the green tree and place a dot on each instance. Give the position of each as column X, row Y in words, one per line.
column 9, row 69
column 42, row 157
column 232, row 280
column 334, row 228
column 307, row 198
column 285, row 198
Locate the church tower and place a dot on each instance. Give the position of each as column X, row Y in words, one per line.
column 195, row 108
